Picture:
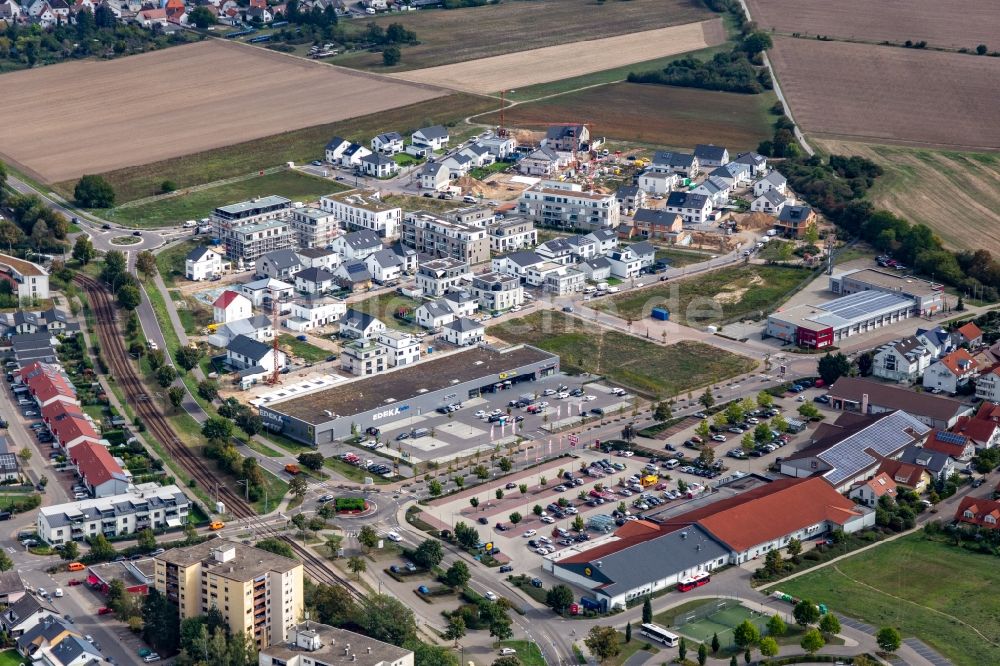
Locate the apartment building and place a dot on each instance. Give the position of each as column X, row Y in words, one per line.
column 567, row 206
column 496, row 292
column 257, row 592
column 446, row 238
column 364, row 358
column 357, row 211
column 512, row 234
column 247, row 243
column 146, row 505
column 314, row 227
column 227, row 219
column 401, row 348
column 438, row 276
column 311, row 644
column 30, row 280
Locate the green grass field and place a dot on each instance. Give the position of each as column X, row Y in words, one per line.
column 429, row 204
column 644, row 366
column 307, row 352
column 297, row 146
column 944, row 595
column 200, row 203
column 717, row 297
column 170, row 262
column 527, row 652
column 10, row 658
column 384, row 306
column 679, row 258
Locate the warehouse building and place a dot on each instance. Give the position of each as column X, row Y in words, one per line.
column 330, row 414
column 928, row 297
column 818, row 326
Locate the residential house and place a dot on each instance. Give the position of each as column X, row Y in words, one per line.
column 737, row 174
column 516, row 263
column 384, row 266
column 856, row 394
column 756, row 162
column 793, row 220
column 24, row 614
column 983, row 428
column 545, row 162
column 266, row 291
column 953, row 444
column 693, row 208
column 557, row 250
column 770, row 202
column 360, row 325
column 988, row 385
column 401, row 348
column 710, row 155
column 279, row 264
column 408, row 257
column 978, row 511
column 69, row 425
column 378, row 166
column 586, row 246
column 357, row 245
column 315, row 281
column 630, row 198
column 11, row 588
column 936, row 339
column 939, row 465
column 501, row 147
column 537, row 275
column 902, row 360
column 434, row 138
column 434, row 314
column 625, row 264
column 906, row 475
column 479, row 155
column 353, row 154
column 458, row 165
column 463, row 332
column 952, row 372
column 203, row 263
column 871, row 491
column 565, row 282
column 245, row 353
column 258, row 327
column 567, row 206
column 28, row 279
column 968, row 334
column 10, row 11
column 230, row 306
column 716, row 189
column 510, row 234
column 364, row 358
column 646, row 253
column 313, row 312
column 567, row 138
column 102, row 476
column 357, row 212
column 435, row 277
column 434, row 176
column 335, row 149
column 596, row 270
column 147, row 18
column 452, row 238
column 497, row 292
column 679, row 163
column 388, row 143
column 658, row 182
column 318, row 257
column 772, row 181
column 606, row 239
column 353, row 276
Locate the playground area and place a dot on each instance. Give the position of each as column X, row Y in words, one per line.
column 717, row 616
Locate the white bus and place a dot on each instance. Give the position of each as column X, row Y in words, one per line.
column 657, row 633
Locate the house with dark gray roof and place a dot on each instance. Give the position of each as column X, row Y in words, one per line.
column 516, row 263
column 23, row 614
column 770, row 202
column 335, row 149
column 11, row 587
column 680, row 163
column 279, row 264
column 710, row 155
column 315, row 281
column 902, row 360
column 388, row 143
column 244, row 352
column 568, row 138
column 353, row 276
column 693, row 208
column 384, row 266
column 378, row 166
column 434, row 137
column 463, row 332
column 756, row 162
column 357, row 245
column 359, row 325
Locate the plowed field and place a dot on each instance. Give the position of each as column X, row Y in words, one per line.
column 97, row 116
column 860, row 91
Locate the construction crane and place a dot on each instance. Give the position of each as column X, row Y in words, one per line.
column 275, row 377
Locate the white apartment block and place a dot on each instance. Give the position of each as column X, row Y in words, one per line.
column 146, row 505
column 247, row 243
column 227, row 220
column 401, row 348
column 496, row 292
column 438, row 276
column 356, row 212
column 512, row 234
column 445, row 238
column 567, row 206
column 314, row 227
column 30, row 279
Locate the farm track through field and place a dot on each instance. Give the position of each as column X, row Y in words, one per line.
column 113, row 347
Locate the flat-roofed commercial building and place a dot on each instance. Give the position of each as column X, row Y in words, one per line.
column 928, row 297
column 818, row 326
column 419, row 388
column 257, row 592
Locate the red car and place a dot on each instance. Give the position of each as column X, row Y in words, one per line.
column 75, row 581
column 104, row 610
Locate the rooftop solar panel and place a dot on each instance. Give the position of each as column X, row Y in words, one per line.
column 850, row 456
column 951, row 437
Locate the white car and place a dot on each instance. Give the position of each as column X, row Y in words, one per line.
column 491, row 596
column 618, row 391
column 392, row 536
column 529, row 534
column 542, row 550
column 543, row 404
column 480, row 414
column 625, row 493
column 548, row 520
column 588, row 398
column 507, row 651
column 547, row 541
column 571, row 510
column 58, row 592
column 562, row 395
column 613, row 290
column 549, row 391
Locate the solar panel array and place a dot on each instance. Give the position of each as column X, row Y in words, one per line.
column 885, row 437
column 950, row 437
column 865, row 303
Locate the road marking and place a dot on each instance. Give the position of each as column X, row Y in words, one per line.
column 10, row 549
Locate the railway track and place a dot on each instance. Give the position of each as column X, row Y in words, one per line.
column 117, row 356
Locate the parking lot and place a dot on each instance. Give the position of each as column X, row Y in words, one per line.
column 467, row 429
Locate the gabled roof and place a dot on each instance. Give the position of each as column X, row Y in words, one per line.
column 603, row 235
column 525, row 258
column 937, row 336
column 953, row 444
column 794, row 213
column 464, row 325
column 598, row 263
column 564, row 132
column 687, row 200
column 709, row 152
column 893, row 397
column 248, row 348
column 933, row 461
column 775, row 178
column 274, row 284
column 199, row 253
column 315, row 275
column 642, row 248
column 432, row 168
column 95, row 463
column 970, row 331
column 980, row 507
column 555, row 246
column 667, row 158
column 774, row 197
column 753, row 159
column 435, row 309
column 336, row 142
column 385, row 258
column 959, row 362
column 377, row 159
column 22, row 609
column 881, row 484
column 362, row 239
column 433, row 132
column 906, row 474
column 357, row 271
column 357, row 319
column 655, row 217
column 227, row 298
column 283, row 259
column 389, row 137
column 544, row 154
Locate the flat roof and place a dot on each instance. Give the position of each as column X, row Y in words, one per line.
column 338, row 646
column 254, row 204
column 361, row 201
column 246, row 564
column 572, row 193
column 261, row 226
column 902, row 283
column 844, row 311
column 405, row 383
column 21, row 266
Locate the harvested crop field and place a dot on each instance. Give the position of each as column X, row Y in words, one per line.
column 654, row 114
column 456, row 35
column 908, row 96
column 553, row 63
column 93, row 116
column 955, row 194
column 945, row 23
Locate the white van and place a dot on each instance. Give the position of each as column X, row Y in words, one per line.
column 671, row 464
column 190, row 224
column 589, row 289
column 469, row 199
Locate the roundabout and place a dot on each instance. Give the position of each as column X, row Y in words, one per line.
column 124, row 241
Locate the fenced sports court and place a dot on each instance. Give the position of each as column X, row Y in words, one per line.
column 717, row 616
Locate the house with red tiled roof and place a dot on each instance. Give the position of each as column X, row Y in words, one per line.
column 952, row 372
column 953, row 444
column 907, row 475
column 979, row 511
column 869, row 492
column 175, row 10
column 968, row 334
column 147, row 18
column 48, row 387
column 101, row 474
column 983, row 428
column 71, row 427
column 231, row 306
column 645, row 556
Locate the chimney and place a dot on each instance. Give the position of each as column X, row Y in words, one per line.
column 369, row 650
column 864, row 403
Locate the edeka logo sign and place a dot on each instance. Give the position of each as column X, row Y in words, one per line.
column 272, row 417
column 377, row 416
